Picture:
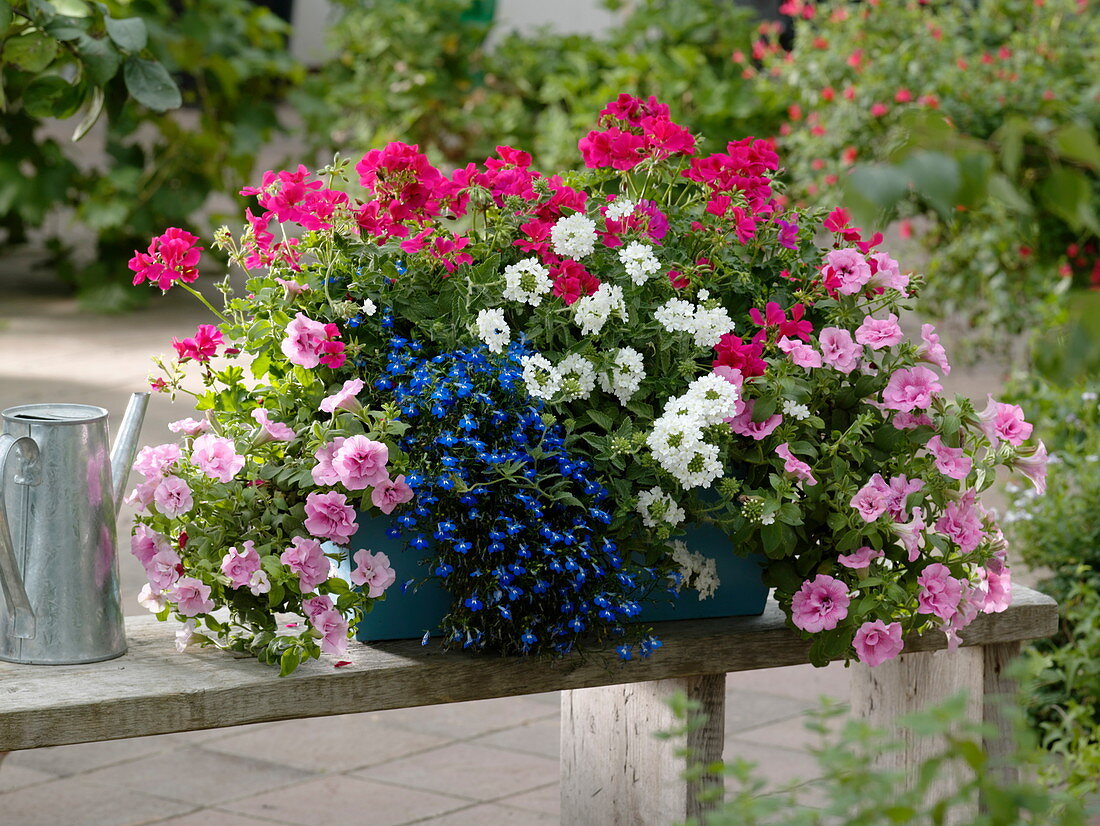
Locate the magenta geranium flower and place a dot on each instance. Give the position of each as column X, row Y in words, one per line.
column 171, row 257
column 202, row 346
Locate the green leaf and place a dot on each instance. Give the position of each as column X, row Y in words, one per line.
column 5, row 17
column 32, row 52
column 776, row 540
column 763, row 409
column 129, row 34
column 936, row 178
column 150, row 84
column 1077, row 142
column 73, row 8
column 101, row 59
column 290, row 660
column 874, row 190
column 50, row 97
column 95, row 108
column 67, row 28
column 1006, row 192
column 1068, row 194
column 601, row 419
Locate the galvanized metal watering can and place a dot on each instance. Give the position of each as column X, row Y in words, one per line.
column 60, row 492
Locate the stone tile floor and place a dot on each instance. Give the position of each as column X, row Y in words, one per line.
column 471, row 764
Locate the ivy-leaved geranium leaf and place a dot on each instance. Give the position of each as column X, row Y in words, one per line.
column 101, row 59
column 149, row 83
column 51, row 97
column 32, row 52
column 129, row 34
column 5, row 17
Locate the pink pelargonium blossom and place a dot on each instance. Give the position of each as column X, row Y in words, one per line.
column 200, row 347
column 307, row 559
column 1004, row 422
column 323, row 472
column 239, row 566
column 846, row 271
column 163, row 569
column 373, row 571
column 191, row 596
column 872, row 500
column 1032, row 463
column 821, row 604
column 743, row 425
column 155, row 461
column 838, row 349
column 802, row 355
column 171, row 257
column 388, row 494
column 271, row 431
column 190, row 427
column 939, row 592
column 860, row 559
column 931, row 350
column 173, row 497
column 309, row 343
column 911, row 389
column 794, row 466
column 361, row 462
column 950, row 461
column 333, row 628
column 329, row 516
column 962, row 522
column 344, row 398
column 145, row 543
column 876, row 642
column 878, row 333
column 216, row 457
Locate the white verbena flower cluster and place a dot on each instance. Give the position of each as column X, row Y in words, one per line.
column 639, row 261
column 574, row 377
column 677, row 439
column 794, row 410
column 696, row 570
column 573, row 236
column 620, row 208
column 625, row 376
column 527, row 281
column 493, row 330
column 542, row 380
column 592, row 311
column 706, row 324
column 658, row 508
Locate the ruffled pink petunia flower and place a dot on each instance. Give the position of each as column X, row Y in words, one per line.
column 802, row 355
column 329, row 516
column 950, row 461
column 1004, row 422
column 876, row 642
column 361, row 462
column 878, row 333
column 743, row 425
column 239, row 566
column 344, row 398
column 911, row 389
column 388, row 494
column 794, row 466
column 939, row 592
column 839, row 350
column 821, row 604
column 872, row 500
column 846, row 271
column 271, row 431
column 190, row 427
column 887, row 273
column 962, row 522
column 860, row 559
column 373, row 571
column 191, row 597
column 173, row 497
column 216, row 457
column 145, row 543
column 323, row 472
column 333, row 628
column 931, row 350
column 154, row 462
column 307, row 559
column 1032, row 463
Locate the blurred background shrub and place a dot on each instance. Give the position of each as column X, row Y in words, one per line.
column 980, row 118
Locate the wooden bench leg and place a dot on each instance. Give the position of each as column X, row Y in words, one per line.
column 1000, row 690
column 615, row 772
column 913, row 682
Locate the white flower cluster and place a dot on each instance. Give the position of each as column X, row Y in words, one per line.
column 706, row 325
column 369, row 307
column 696, row 570
column 573, row 236
column 620, row 208
column 794, row 410
column 493, row 330
column 527, row 281
column 592, row 311
column 677, row 436
column 542, row 380
column 625, row 376
column 657, row 508
column 639, row 260
column 577, row 377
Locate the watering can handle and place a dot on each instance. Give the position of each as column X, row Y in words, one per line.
column 20, row 614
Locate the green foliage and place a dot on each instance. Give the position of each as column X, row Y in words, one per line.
column 854, row 791
column 980, row 118
column 124, row 59
column 429, row 73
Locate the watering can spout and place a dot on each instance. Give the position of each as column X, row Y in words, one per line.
column 126, row 445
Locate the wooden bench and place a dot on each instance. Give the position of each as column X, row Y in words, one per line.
column 613, row 771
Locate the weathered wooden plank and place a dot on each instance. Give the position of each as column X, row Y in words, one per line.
column 910, row 683
column 615, row 771
column 154, row 690
column 1000, row 693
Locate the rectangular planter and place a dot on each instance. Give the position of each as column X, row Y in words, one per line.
column 407, row 613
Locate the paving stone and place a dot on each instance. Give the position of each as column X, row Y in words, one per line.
column 790, row 734
column 460, row 721
column 82, row 757
column 546, row 800
column 466, row 770
column 198, row 775
column 751, row 709
column 542, row 737
column 799, row 681
column 776, row 765
column 490, row 815
column 214, row 817
column 328, row 744
column 14, row 776
column 71, row 801
column 342, row 800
